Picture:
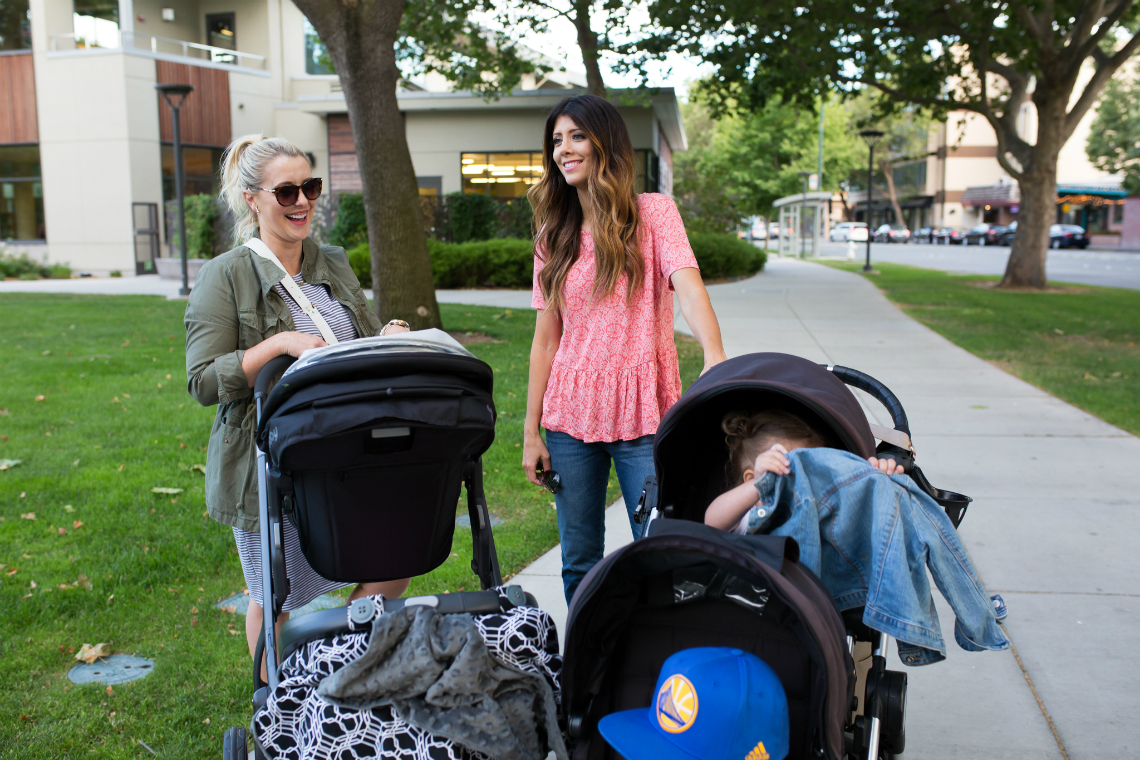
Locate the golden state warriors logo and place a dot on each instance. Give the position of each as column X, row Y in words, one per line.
column 676, row 705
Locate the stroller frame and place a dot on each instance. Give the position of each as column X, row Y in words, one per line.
column 295, row 633
column 879, row 732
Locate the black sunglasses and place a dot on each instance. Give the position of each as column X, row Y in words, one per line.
column 287, row 194
column 550, row 479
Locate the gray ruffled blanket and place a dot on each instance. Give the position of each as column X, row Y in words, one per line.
column 437, row 674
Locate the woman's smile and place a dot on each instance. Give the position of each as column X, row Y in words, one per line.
column 298, row 218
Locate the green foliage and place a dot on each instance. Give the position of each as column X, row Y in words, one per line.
column 497, row 263
column 726, row 255
column 738, row 164
column 515, row 218
column 351, row 226
column 473, row 216
column 509, row 262
column 24, row 268
column 1078, row 344
column 201, row 216
column 1113, row 145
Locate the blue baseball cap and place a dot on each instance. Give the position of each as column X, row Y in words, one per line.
column 710, row 703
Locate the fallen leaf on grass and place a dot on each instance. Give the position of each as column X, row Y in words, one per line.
column 83, row 582
column 68, row 508
column 77, row 524
column 89, row 654
column 227, row 608
column 232, row 632
column 63, row 587
column 62, row 531
column 206, row 721
column 28, row 515
column 75, row 463
column 13, row 571
column 110, row 693
column 120, row 469
column 3, row 412
column 32, row 585
column 7, row 464
column 169, row 491
column 41, row 397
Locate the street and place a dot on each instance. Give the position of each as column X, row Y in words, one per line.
column 1111, row 269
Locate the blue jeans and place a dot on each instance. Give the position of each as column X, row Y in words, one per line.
column 581, row 500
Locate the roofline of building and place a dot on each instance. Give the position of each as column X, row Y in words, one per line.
column 662, row 99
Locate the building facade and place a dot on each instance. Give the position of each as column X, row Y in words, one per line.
column 86, row 156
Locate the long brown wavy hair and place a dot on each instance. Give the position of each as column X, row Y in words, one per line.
column 557, row 225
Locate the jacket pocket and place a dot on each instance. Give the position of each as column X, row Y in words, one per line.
column 230, row 467
column 255, row 326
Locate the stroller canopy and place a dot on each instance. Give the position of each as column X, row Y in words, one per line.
column 689, row 451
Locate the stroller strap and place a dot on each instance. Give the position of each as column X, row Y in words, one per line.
column 893, row 437
column 261, row 249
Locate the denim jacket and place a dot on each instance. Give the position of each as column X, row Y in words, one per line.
column 870, row 538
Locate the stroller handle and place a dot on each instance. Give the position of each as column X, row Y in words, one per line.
column 272, row 370
column 865, row 382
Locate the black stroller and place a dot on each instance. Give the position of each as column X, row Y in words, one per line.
column 686, row 585
column 353, row 440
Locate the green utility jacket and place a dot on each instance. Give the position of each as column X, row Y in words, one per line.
column 233, row 307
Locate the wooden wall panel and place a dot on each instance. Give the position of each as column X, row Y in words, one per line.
column 18, row 112
column 205, row 112
column 344, row 168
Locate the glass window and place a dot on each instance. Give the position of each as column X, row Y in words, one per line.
column 1118, row 212
column 317, row 60
column 201, row 171
column 21, row 194
column 96, row 23
column 645, row 166
column 500, row 175
column 15, row 25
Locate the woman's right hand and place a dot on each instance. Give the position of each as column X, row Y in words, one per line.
column 297, row 343
column 534, row 452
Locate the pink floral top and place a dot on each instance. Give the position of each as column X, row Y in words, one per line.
column 615, row 373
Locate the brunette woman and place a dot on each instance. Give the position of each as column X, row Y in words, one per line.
column 603, row 365
column 277, row 292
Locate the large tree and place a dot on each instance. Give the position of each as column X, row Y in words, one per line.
column 1114, row 140
column 738, row 164
column 990, row 57
column 367, row 40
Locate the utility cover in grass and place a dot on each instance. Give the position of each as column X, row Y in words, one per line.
column 464, row 521
column 240, row 603
column 113, row 670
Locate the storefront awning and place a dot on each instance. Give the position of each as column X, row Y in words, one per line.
column 1099, row 189
column 1002, row 194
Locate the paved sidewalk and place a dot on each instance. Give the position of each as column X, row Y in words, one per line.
column 1056, row 512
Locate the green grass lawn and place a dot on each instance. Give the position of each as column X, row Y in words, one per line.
column 93, row 401
column 1077, row 342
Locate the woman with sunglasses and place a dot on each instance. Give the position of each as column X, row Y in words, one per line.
column 278, row 292
column 603, row 365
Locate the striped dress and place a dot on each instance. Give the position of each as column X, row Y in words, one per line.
column 304, row 582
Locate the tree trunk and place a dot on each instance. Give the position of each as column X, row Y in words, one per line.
column 1026, row 265
column 361, row 39
column 889, row 175
column 588, row 44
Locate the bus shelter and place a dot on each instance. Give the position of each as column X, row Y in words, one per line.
column 803, row 223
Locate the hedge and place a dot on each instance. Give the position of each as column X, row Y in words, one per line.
column 25, row 268
column 509, row 262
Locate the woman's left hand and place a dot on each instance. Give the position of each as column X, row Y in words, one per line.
column 393, row 328
column 711, row 360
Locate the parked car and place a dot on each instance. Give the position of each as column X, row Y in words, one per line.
column 950, row 236
column 1006, row 238
column 923, row 235
column 773, row 229
column 845, row 231
column 758, row 231
column 892, row 233
column 984, row 234
column 1068, row 236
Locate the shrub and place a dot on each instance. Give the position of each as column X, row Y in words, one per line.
column 472, row 217
column 498, row 263
column 26, row 269
column 351, row 227
column 201, row 227
column 726, row 255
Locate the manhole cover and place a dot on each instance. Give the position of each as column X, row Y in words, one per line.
column 116, row 669
column 464, row 521
column 240, row 603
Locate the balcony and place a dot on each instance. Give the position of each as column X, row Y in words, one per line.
column 111, row 40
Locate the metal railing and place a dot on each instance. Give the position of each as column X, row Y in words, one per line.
column 129, row 41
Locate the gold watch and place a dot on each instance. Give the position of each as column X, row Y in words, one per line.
column 397, row 322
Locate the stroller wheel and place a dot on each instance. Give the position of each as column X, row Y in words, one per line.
column 234, row 744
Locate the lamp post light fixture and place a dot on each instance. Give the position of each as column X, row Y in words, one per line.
column 803, row 208
column 175, row 95
column 870, row 136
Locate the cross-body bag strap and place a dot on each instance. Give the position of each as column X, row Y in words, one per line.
column 261, row 249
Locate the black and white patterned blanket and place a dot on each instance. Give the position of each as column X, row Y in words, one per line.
column 296, row 723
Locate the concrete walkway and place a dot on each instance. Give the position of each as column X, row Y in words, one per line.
column 1052, row 527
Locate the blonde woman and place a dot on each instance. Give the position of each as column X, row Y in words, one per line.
column 603, row 365
column 241, row 314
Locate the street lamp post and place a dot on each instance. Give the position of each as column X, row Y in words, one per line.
column 870, row 136
column 803, row 208
column 175, row 95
